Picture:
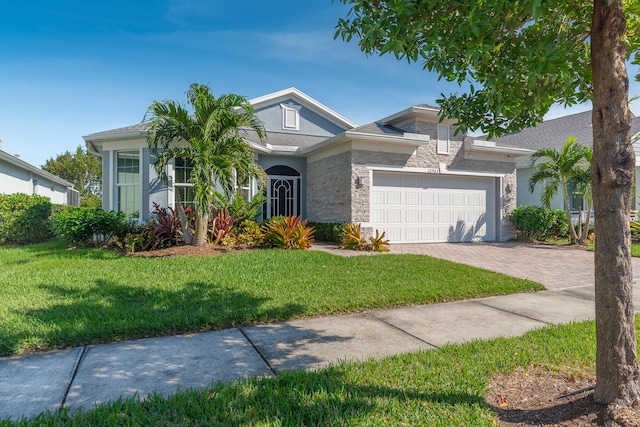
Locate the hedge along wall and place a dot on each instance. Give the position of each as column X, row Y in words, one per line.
column 24, row 219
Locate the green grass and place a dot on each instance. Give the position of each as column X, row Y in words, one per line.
column 53, row 297
column 443, row 387
column 635, row 249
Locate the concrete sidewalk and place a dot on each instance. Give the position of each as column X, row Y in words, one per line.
column 86, row 376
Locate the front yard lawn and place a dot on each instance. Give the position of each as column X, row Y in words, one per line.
column 55, row 298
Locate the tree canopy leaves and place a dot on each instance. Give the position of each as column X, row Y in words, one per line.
column 517, row 57
column 82, row 169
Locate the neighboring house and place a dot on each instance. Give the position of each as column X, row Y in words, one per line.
column 406, row 174
column 553, row 134
column 18, row 176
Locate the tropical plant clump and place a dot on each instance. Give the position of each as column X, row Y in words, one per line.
column 162, row 231
column 289, row 232
column 352, row 239
column 213, row 146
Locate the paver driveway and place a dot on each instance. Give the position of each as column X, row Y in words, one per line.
column 555, row 267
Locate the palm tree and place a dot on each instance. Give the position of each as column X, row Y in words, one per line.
column 583, row 187
column 571, row 164
column 210, row 139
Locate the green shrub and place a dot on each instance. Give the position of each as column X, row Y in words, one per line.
column 88, row 227
column 24, row 218
column 328, row 231
column 249, row 233
column 538, row 223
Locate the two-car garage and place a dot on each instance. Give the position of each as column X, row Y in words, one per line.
column 432, row 207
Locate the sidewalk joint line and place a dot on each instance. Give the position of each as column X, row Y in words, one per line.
column 73, row 377
column 259, row 352
column 504, row 310
column 401, row 330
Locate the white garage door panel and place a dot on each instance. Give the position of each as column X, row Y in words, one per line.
column 413, row 207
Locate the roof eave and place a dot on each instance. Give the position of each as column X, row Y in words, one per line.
column 367, row 137
column 31, row 168
column 486, row 147
column 415, row 110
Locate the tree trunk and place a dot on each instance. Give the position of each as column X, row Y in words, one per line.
column 184, row 222
column 587, row 223
column 202, row 221
column 617, row 370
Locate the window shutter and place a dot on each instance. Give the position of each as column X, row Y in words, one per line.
column 290, row 117
column 443, row 139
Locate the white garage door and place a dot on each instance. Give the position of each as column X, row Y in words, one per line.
column 413, row 207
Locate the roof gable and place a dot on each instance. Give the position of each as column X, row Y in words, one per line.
column 310, row 110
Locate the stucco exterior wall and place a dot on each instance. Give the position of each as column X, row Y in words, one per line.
column 310, row 122
column 527, row 198
column 329, row 192
column 14, row 179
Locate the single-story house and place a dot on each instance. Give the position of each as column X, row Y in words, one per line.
column 553, row 134
column 18, row 176
column 406, row 174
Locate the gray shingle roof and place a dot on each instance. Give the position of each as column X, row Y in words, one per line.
column 553, row 133
column 285, row 139
column 141, row 127
column 378, row 129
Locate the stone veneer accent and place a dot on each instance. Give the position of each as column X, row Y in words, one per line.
column 335, row 196
column 328, row 195
column 425, row 157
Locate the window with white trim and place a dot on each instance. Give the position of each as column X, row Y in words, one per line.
column 443, row 139
column 290, row 117
column 576, row 198
column 128, row 182
column 184, row 191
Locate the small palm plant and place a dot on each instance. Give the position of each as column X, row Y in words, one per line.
column 352, row 239
column 572, row 163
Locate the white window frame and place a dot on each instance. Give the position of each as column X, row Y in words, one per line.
column 443, row 139
column 286, row 123
column 175, row 184
column 129, row 184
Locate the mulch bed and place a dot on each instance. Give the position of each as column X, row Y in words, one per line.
column 188, row 250
column 531, row 397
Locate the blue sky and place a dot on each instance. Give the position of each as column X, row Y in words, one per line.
column 70, row 68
